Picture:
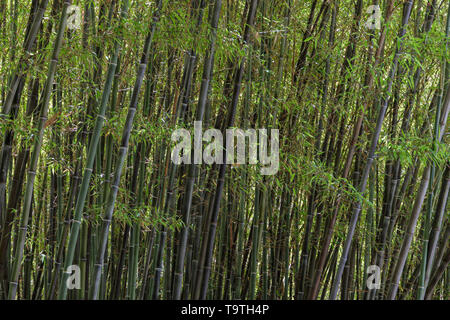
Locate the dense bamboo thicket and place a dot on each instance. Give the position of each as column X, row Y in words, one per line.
column 92, row 205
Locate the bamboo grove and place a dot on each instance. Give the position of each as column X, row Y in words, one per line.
column 91, row 92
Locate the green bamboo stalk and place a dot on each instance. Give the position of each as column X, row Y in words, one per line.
column 418, row 205
column 123, row 152
column 434, row 236
column 371, row 155
column 192, row 171
column 229, row 123
column 36, row 151
column 23, row 66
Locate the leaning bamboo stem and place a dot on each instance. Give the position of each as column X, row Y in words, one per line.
column 222, row 167
column 74, row 231
column 207, row 70
column 122, row 153
column 418, row 205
